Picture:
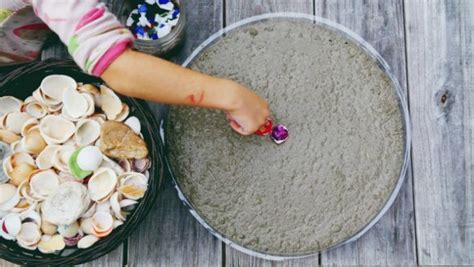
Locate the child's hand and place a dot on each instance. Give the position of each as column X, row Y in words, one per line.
column 248, row 111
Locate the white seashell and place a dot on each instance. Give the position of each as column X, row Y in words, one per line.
column 67, row 204
column 11, row 224
column 5, row 150
column 109, row 163
column 18, row 167
column 32, row 141
column 45, row 159
column 103, row 207
column 27, row 125
column 90, row 212
column 114, row 204
column 16, row 147
column 117, row 223
column 56, row 129
column 133, row 185
column 89, row 88
column 102, row 183
column 111, row 103
column 25, row 192
column 51, row 244
column 134, row 124
column 31, row 216
column 74, row 103
column 48, row 228
column 8, row 136
column 102, row 223
column 44, row 183
column 89, row 158
column 54, row 86
column 123, row 113
column 90, row 103
column 66, row 177
column 87, row 226
column 87, row 132
column 61, row 157
column 87, row 241
column 9, row 104
column 69, row 231
column 14, row 121
column 99, row 117
column 35, row 109
column 29, row 235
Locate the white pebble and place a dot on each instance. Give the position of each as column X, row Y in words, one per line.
column 89, row 158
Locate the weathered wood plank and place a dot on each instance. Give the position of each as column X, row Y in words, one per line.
column 237, row 10
column 170, row 236
column 391, row 241
column 441, row 75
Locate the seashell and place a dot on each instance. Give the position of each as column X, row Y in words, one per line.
column 87, row 132
column 29, row 235
column 9, row 104
column 90, row 103
column 89, row 88
column 18, row 167
column 87, row 241
column 8, row 136
column 69, row 231
column 111, row 103
column 27, row 125
column 141, row 165
column 134, row 124
column 61, row 157
column 44, row 183
column 87, row 225
column 56, row 129
column 35, row 109
column 32, row 141
column 45, row 159
column 74, row 103
column 72, row 241
column 76, row 171
column 10, row 226
column 66, row 177
column 128, row 205
column 16, row 147
column 51, row 244
column 103, row 207
column 102, row 224
column 54, row 86
column 24, row 190
column 123, row 113
column 48, row 228
column 110, row 163
column 90, row 212
column 126, row 165
column 117, row 223
column 100, row 118
column 67, row 204
column 133, row 185
column 5, row 150
column 102, row 183
column 31, row 216
column 21, row 206
column 117, row 140
column 114, row 204
column 14, row 121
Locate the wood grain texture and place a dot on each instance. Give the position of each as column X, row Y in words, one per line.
column 237, row 10
column 391, row 241
column 440, row 66
column 170, row 236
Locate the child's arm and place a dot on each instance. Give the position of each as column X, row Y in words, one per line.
column 147, row 77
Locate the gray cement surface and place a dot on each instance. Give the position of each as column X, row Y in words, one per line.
column 338, row 167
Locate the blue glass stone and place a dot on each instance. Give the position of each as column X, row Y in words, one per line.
column 175, row 13
column 154, row 36
column 142, row 8
column 163, row 2
column 140, row 30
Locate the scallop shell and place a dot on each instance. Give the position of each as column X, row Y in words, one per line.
column 102, row 183
column 35, row 109
column 44, row 183
column 133, row 185
column 9, row 104
column 74, row 103
column 56, row 129
column 111, row 103
column 14, row 121
column 45, row 159
column 29, row 235
column 67, row 204
column 87, row 241
column 61, row 157
column 32, row 141
column 51, row 244
column 8, row 136
column 87, row 132
column 54, row 86
column 102, row 224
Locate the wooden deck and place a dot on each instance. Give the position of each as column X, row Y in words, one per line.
column 429, row 45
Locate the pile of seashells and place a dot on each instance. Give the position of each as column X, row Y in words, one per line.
column 74, row 165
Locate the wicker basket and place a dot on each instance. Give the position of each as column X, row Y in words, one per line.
column 21, row 83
